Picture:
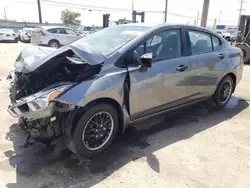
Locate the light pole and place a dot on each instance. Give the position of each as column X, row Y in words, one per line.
column 241, row 9
column 166, row 11
column 219, row 17
column 204, row 13
column 133, row 7
column 39, row 11
column 198, row 14
column 5, row 14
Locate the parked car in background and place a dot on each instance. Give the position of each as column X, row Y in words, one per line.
column 94, row 88
column 226, row 35
column 25, row 34
column 8, row 35
column 18, row 34
column 234, row 36
column 54, row 36
column 86, row 30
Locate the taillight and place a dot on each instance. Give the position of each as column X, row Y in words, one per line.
column 42, row 33
column 241, row 54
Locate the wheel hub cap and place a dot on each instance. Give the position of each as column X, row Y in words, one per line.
column 98, row 130
column 225, row 92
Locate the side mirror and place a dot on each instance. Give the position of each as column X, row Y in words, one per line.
column 146, row 59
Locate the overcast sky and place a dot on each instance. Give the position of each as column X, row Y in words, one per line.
column 26, row 10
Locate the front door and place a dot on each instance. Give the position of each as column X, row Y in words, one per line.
column 165, row 84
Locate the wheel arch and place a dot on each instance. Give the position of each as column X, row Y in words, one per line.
column 233, row 76
column 51, row 40
column 79, row 111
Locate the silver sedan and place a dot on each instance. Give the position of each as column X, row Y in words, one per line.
column 91, row 90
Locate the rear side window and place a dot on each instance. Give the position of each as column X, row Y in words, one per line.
column 70, row 32
column 200, row 42
column 57, row 31
column 52, row 30
column 216, row 42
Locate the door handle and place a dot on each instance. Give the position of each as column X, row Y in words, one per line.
column 182, row 68
column 221, row 56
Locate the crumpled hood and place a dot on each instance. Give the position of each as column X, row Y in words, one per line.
column 30, row 59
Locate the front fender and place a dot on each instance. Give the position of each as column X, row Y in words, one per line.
column 107, row 86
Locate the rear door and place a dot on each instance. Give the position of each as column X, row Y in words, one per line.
column 60, row 35
column 208, row 63
column 71, row 35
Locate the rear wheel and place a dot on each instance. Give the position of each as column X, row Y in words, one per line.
column 246, row 53
column 95, row 130
column 224, row 92
column 54, row 44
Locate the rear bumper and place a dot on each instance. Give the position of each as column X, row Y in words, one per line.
column 239, row 71
column 5, row 38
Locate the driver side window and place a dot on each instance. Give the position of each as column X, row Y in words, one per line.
column 164, row 45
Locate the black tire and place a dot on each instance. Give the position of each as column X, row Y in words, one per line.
column 246, row 52
column 79, row 145
column 227, row 39
column 16, row 40
column 54, row 44
column 218, row 96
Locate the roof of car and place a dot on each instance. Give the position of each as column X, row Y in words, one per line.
column 52, row 27
column 6, row 29
column 164, row 25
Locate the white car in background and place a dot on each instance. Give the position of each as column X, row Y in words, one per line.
column 86, row 30
column 8, row 35
column 224, row 34
column 25, row 34
column 18, row 34
column 54, row 36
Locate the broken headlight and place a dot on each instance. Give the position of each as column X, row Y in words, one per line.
column 43, row 100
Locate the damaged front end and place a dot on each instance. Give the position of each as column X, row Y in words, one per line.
column 39, row 79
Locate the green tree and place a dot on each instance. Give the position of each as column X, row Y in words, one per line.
column 70, row 17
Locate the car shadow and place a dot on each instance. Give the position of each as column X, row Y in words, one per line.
column 139, row 141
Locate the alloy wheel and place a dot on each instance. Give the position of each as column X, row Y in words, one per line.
column 225, row 91
column 54, row 45
column 98, row 130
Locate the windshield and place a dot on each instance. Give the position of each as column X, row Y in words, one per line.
column 111, row 39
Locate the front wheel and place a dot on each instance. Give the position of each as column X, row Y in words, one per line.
column 224, row 92
column 227, row 39
column 95, row 130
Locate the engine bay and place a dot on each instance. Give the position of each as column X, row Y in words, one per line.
column 66, row 67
